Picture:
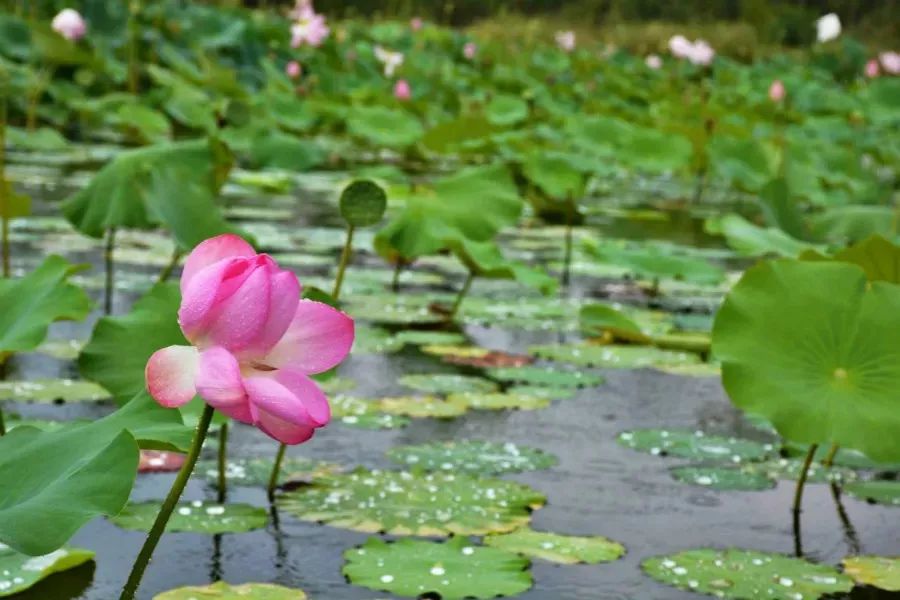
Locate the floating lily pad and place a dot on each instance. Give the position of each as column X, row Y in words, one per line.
column 500, row 401
column 879, row 492
column 845, row 457
column 540, row 391
column 724, row 478
column 375, row 421
column 478, row 458
column 52, row 390
column 614, row 357
column 18, row 571
column 457, row 350
column 566, row 549
column 447, row 384
column 742, row 574
column 698, row 369
column 882, row 572
column 451, row 570
column 401, row 503
column 422, row 406
column 784, row 468
column 425, row 338
column 694, row 444
column 195, row 517
column 375, row 340
column 256, row 471
column 545, row 376
column 225, row 591
column 61, row 349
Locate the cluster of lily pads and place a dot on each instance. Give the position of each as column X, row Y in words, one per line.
column 444, row 234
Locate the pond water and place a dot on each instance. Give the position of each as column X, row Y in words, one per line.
column 597, row 488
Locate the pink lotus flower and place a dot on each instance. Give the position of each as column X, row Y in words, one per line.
column 565, row 40
column 890, row 62
column 872, row 70
column 776, row 91
column 402, row 91
column 470, row 50
column 390, row 60
column 309, row 27
column 653, row 61
column 254, row 342
column 702, row 54
column 293, row 69
column 680, row 46
column 69, row 24
column 416, row 23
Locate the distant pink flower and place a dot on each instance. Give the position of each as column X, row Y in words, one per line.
column 69, row 24
column 702, row 54
column 680, row 46
column 653, row 61
column 565, row 40
column 872, row 69
column 470, row 50
column 416, row 23
column 254, row 342
column 776, row 91
column 402, row 91
column 890, row 62
column 309, row 27
column 293, row 69
column 390, row 60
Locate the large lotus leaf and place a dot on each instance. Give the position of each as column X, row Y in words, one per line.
column 52, row 390
column 384, row 127
column 169, row 184
column 277, row 150
column 469, row 456
column 120, row 346
column 452, row 570
column 401, row 503
column 651, row 150
column 553, row 547
column 441, row 383
column 781, row 209
column 224, row 591
column 18, row 572
column 753, row 240
column 557, row 175
column 29, row 305
column 878, row 491
column 812, row 347
column 614, row 356
column 655, row 261
column 743, row 162
column 879, row 258
column 695, row 445
column 422, row 407
column 463, row 133
column 474, row 204
column 597, row 319
column 546, row 376
column 843, row 224
column 485, row 259
column 57, row 481
column 740, row 574
column 505, row 110
column 195, row 517
column 882, row 572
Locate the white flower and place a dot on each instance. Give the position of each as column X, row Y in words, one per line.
column 653, row 61
column 69, row 24
column 828, row 27
column 565, row 40
column 702, row 53
column 890, row 62
column 680, row 46
column 390, row 60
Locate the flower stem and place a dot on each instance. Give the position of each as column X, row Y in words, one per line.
column 395, row 281
column 462, row 294
column 168, row 505
column 108, row 258
column 829, row 458
column 276, row 471
column 167, row 271
column 801, row 480
column 223, row 452
column 345, row 258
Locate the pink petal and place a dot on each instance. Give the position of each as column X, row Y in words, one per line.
column 309, row 393
column 238, row 320
column 318, row 338
column 170, row 375
column 283, row 299
column 278, row 411
column 212, row 251
column 218, row 379
column 207, row 287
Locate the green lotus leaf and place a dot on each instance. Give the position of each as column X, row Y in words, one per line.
column 375, row 421
column 225, row 591
column 485, row 259
column 504, row 110
column 401, row 503
column 384, row 127
column 724, row 478
column 195, row 517
column 695, row 445
column 447, row 384
column 553, row 377
column 18, row 572
column 596, row 319
column 427, row 338
column 614, row 356
column 831, row 361
column 422, row 407
column 451, row 570
column 880, row 492
column 474, row 457
column 363, row 203
column 753, row 240
column 52, row 390
column 541, row 392
column 510, row 400
column 29, row 305
column 256, row 471
column 553, row 547
column 654, row 262
column 740, row 574
column 882, row 572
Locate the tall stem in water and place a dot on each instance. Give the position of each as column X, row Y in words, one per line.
column 567, row 261
column 168, row 505
column 798, row 496
column 462, row 294
column 276, row 471
column 223, row 453
column 108, row 260
column 345, row 259
column 395, row 281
